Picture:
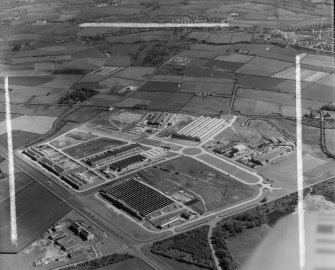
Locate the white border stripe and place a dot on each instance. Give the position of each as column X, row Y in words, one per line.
column 154, row 25
column 300, row 177
column 13, row 225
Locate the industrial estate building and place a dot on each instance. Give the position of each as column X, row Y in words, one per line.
column 200, row 129
column 112, row 154
column 136, row 198
column 74, row 174
column 158, row 118
column 126, row 164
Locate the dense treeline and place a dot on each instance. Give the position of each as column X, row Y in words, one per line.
column 75, row 96
column 326, row 189
column 100, row 262
column 190, row 247
column 226, row 260
column 267, row 213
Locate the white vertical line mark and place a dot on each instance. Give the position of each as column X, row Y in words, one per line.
column 154, row 25
column 300, row 177
column 13, row 225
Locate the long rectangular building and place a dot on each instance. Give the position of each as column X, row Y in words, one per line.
column 112, row 154
column 136, row 198
column 201, row 128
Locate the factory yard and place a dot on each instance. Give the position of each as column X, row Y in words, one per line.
column 86, row 158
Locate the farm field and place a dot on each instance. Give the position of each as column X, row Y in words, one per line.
column 259, row 82
column 318, row 60
column 167, row 78
column 223, row 65
column 23, row 94
column 205, row 73
column 287, row 99
column 71, row 138
column 289, row 86
column 52, row 97
column 235, row 58
column 103, row 100
column 222, row 38
column 328, row 80
column 263, row 66
column 19, row 138
column 318, row 92
column 200, row 54
column 204, row 181
column 135, row 73
column 21, row 181
column 157, row 100
column 92, row 147
column 161, row 86
column 83, row 115
column 118, row 82
column 40, row 203
column 28, row 123
column 246, row 106
column 36, row 110
column 206, row 105
column 218, row 88
column 306, row 75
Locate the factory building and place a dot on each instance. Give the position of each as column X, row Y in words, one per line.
column 201, row 128
column 112, row 154
column 158, row 118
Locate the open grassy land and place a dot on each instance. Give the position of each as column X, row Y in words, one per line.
column 32, row 203
column 19, row 138
column 216, row 189
column 330, row 142
column 31, row 124
column 157, row 100
column 92, row 147
column 21, row 181
column 199, row 105
column 230, row 169
column 71, row 138
column 36, row 110
column 83, row 114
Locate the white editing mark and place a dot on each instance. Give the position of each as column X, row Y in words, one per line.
column 13, row 226
column 154, row 25
column 300, row 177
